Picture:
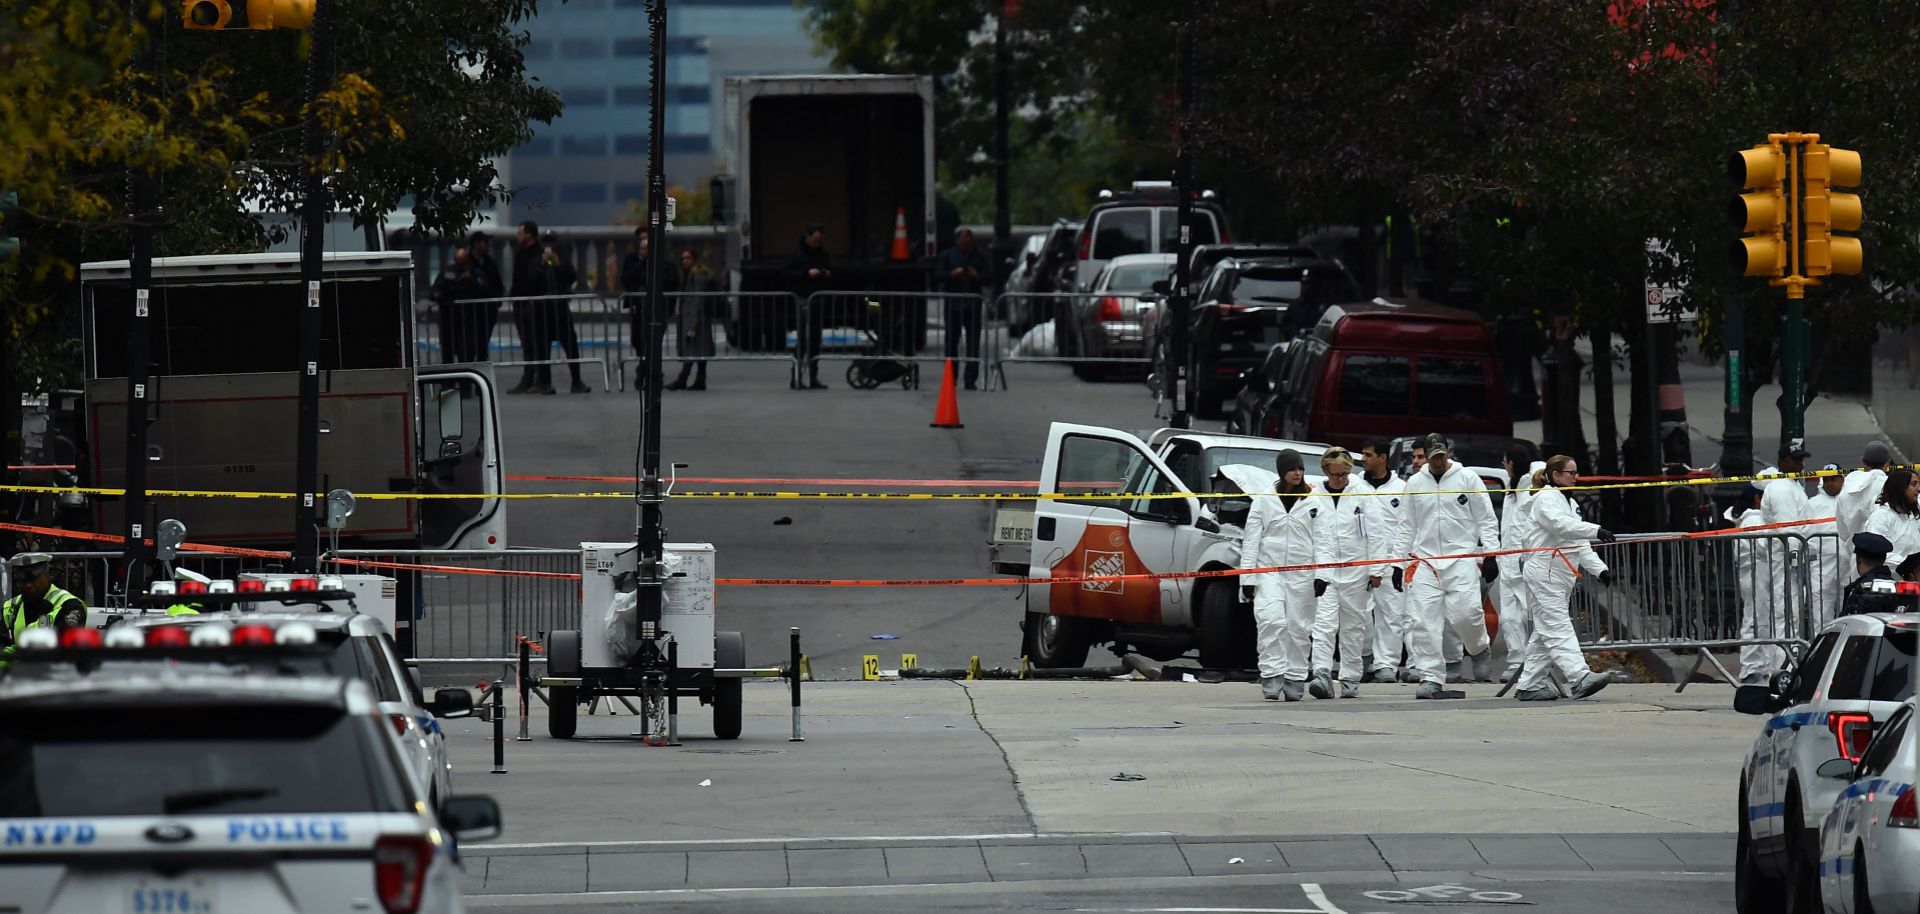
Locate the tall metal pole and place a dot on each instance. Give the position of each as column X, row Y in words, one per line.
column 313, row 224
column 1002, row 209
column 1181, row 301
column 652, row 530
column 139, row 328
column 1736, row 445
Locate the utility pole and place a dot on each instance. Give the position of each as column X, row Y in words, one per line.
column 1002, row 208
column 313, row 241
column 139, row 328
column 1736, row 445
column 651, row 535
column 1181, row 301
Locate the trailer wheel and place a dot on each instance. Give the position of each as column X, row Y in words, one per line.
column 563, row 653
column 563, row 712
column 729, row 653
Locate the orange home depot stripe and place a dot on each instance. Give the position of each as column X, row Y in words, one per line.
column 795, row 481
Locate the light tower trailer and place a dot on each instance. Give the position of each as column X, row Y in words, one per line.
column 615, row 655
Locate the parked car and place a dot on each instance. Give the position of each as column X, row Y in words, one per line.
column 1144, row 220
column 1207, row 256
column 1042, row 270
column 1256, row 408
column 1245, row 308
column 1854, row 676
column 1111, row 320
column 1870, row 840
column 1381, row 367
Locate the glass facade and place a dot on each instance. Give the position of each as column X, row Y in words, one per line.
column 584, row 167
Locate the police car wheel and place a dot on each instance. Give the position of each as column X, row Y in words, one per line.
column 1802, row 888
column 1862, row 899
column 1754, row 892
column 1056, row 642
column 563, row 712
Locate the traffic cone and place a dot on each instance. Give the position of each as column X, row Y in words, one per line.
column 900, row 249
column 947, row 414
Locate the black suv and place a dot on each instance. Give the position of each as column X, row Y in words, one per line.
column 1243, row 309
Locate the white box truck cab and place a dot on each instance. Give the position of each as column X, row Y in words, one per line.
column 224, row 401
column 1088, row 536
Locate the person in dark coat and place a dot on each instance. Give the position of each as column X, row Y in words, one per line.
column 526, row 259
column 809, row 270
column 693, row 321
column 1870, row 560
column 452, row 290
column 961, row 272
column 553, row 317
column 633, row 281
column 486, row 269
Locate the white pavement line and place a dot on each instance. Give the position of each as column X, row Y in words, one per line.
column 1320, row 898
column 1077, row 837
column 1201, row 910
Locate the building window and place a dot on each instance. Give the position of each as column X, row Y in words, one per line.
column 538, row 146
column 630, row 144
column 592, row 144
column 630, row 96
column 630, row 193
column 534, row 195
column 583, row 193
column 537, row 49
column 576, row 48
column 632, row 47
column 584, row 96
column 687, row 145
column 689, row 69
column 689, row 95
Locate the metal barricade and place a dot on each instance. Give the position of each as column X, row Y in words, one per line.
column 523, row 331
column 867, row 328
column 1091, row 333
column 473, row 604
column 1766, row 591
column 716, row 327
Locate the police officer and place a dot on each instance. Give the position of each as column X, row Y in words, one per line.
column 1870, row 560
column 37, row 601
column 184, row 608
column 1279, row 532
column 1447, row 513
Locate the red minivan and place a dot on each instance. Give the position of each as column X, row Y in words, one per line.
column 1393, row 367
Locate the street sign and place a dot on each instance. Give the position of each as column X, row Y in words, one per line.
column 1666, row 304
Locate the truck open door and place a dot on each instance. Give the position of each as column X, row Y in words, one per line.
column 460, row 453
column 1087, row 533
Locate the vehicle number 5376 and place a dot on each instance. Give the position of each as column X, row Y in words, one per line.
column 170, row 899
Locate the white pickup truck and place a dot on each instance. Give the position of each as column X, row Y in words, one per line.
column 1072, row 538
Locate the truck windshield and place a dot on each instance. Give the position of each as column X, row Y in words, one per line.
column 154, row 760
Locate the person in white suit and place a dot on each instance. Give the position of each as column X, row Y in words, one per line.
column 1551, row 575
column 1279, row 531
column 1346, row 529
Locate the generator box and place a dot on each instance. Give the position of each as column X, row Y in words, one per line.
column 608, row 620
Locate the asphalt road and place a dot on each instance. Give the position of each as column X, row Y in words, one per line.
column 747, row 424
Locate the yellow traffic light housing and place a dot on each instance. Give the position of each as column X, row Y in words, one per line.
column 1761, row 214
column 1826, row 211
column 217, row 15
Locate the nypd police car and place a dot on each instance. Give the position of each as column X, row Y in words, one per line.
column 189, row 790
column 1870, row 841
column 1852, row 679
column 357, row 646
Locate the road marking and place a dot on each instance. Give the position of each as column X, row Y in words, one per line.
column 1319, row 898
column 1060, row 837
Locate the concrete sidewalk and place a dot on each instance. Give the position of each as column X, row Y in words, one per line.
column 896, row 759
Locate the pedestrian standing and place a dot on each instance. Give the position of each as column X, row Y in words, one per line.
column 809, row 270
column 1897, row 515
column 452, row 293
column 961, row 271
column 1279, row 532
column 1347, row 529
column 1827, row 562
column 1389, row 619
column 1869, row 565
column 692, row 321
column 1550, row 577
column 1448, row 513
column 1752, row 577
column 526, row 280
column 554, row 316
column 633, row 282
column 1785, row 503
column 485, row 314
column 1516, row 529
column 1858, row 492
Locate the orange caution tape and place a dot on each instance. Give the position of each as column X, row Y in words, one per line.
column 794, row 481
column 113, row 538
column 453, row 569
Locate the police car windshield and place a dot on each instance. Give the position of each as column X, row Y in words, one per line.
column 154, row 760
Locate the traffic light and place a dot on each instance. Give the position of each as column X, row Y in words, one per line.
column 217, row 15
column 9, row 219
column 1826, row 211
column 1760, row 214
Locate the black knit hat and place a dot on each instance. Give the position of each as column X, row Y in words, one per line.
column 1287, row 461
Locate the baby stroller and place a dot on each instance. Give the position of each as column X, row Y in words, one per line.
column 884, row 366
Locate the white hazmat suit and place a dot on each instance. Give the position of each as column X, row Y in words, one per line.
column 1827, row 561
column 1451, row 515
column 1853, row 505
column 1389, row 605
column 1279, row 531
column 1346, row 529
column 1902, row 530
column 1752, row 564
column 1557, row 525
column 1516, row 531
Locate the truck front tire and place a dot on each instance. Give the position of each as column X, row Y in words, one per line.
column 1056, row 642
column 1226, row 629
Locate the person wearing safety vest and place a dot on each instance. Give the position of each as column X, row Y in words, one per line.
column 184, row 608
column 36, row 602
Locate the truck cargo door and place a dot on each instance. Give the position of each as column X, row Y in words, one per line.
column 1088, row 533
column 460, row 453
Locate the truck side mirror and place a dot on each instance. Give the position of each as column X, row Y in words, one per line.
column 470, row 818
column 1162, row 286
column 451, row 703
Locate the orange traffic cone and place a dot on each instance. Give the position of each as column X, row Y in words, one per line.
column 947, row 414
column 900, row 249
